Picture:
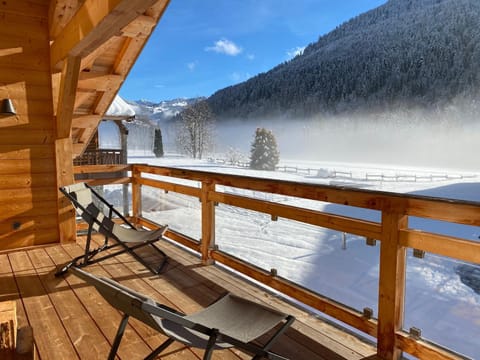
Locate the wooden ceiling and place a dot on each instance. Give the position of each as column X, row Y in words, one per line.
column 94, row 44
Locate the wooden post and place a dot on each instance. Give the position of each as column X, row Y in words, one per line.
column 136, row 195
column 208, row 222
column 391, row 285
column 63, row 146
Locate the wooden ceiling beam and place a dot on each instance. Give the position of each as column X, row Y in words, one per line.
column 142, row 26
column 85, row 121
column 60, row 13
column 92, row 25
column 99, row 82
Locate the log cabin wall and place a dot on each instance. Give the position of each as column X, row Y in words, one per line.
column 62, row 63
column 28, row 175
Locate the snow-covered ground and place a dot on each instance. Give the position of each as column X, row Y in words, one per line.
column 438, row 301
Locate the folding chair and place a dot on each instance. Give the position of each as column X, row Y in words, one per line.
column 228, row 322
column 126, row 237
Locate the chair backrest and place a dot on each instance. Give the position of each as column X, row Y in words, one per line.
column 82, row 197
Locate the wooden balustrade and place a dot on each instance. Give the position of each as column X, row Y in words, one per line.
column 392, row 231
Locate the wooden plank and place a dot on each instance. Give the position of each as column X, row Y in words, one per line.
column 85, row 336
column 28, row 195
column 93, row 24
column 86, row 121
column 21, row 28
column 92, row 169
column 142, row 26
column 21, row 239
column 64, row 172
column 327, row 220
column 26, row 180
column 26, row 166
column 104, row 316
column 21, row 152
column 66, row 101
column 461, row 212
column 60, row 13
column 85, row 96
column 391, row 285
column 99, row 82
column 32, row 223
column 26, row 107
column 178, row 188
column 30, row 58
column 456, row 248
column 88, row 60
column 21, row 89
column 424, row 350
column 32, row 8
column 29, row 76
column 44, row 320
column 29, row 137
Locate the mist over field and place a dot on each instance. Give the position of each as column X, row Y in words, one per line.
column 447, row 140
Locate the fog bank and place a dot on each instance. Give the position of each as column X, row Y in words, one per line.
column 446, row 140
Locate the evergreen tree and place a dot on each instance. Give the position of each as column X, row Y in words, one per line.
column 264, row 154
column 158, row 143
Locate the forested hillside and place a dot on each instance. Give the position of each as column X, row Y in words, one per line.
column 421, row 53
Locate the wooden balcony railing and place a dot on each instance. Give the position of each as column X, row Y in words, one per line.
column 100, row 157
column 393, row 232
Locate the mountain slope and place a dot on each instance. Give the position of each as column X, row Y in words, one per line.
column 406, row 52
column 161, row 112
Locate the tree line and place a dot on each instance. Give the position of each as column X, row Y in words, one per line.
column 406, row 52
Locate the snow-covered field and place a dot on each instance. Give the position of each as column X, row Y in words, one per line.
column 438, row 301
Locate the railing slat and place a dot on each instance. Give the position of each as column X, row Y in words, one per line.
column 455, row 248
column 331, row 221
column 164, row 185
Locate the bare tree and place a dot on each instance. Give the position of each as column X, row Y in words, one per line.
column 195, row 129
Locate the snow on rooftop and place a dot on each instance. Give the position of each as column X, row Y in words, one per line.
column 120, row 107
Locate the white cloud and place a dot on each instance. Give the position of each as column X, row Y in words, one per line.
column 192, row 65
column 295, row 51
column 226, row 47
column 250, row 56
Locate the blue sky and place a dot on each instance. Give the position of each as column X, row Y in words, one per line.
column 200, row 47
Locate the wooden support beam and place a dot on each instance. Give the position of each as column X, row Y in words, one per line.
column 66, row 213
column 60, row 13
column 140, row 27
column 99, row 82
column 93, row 24
column 66, row 101
column 85, row 121
column 391, row 285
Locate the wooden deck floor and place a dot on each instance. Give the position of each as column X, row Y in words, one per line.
column 71, row 320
